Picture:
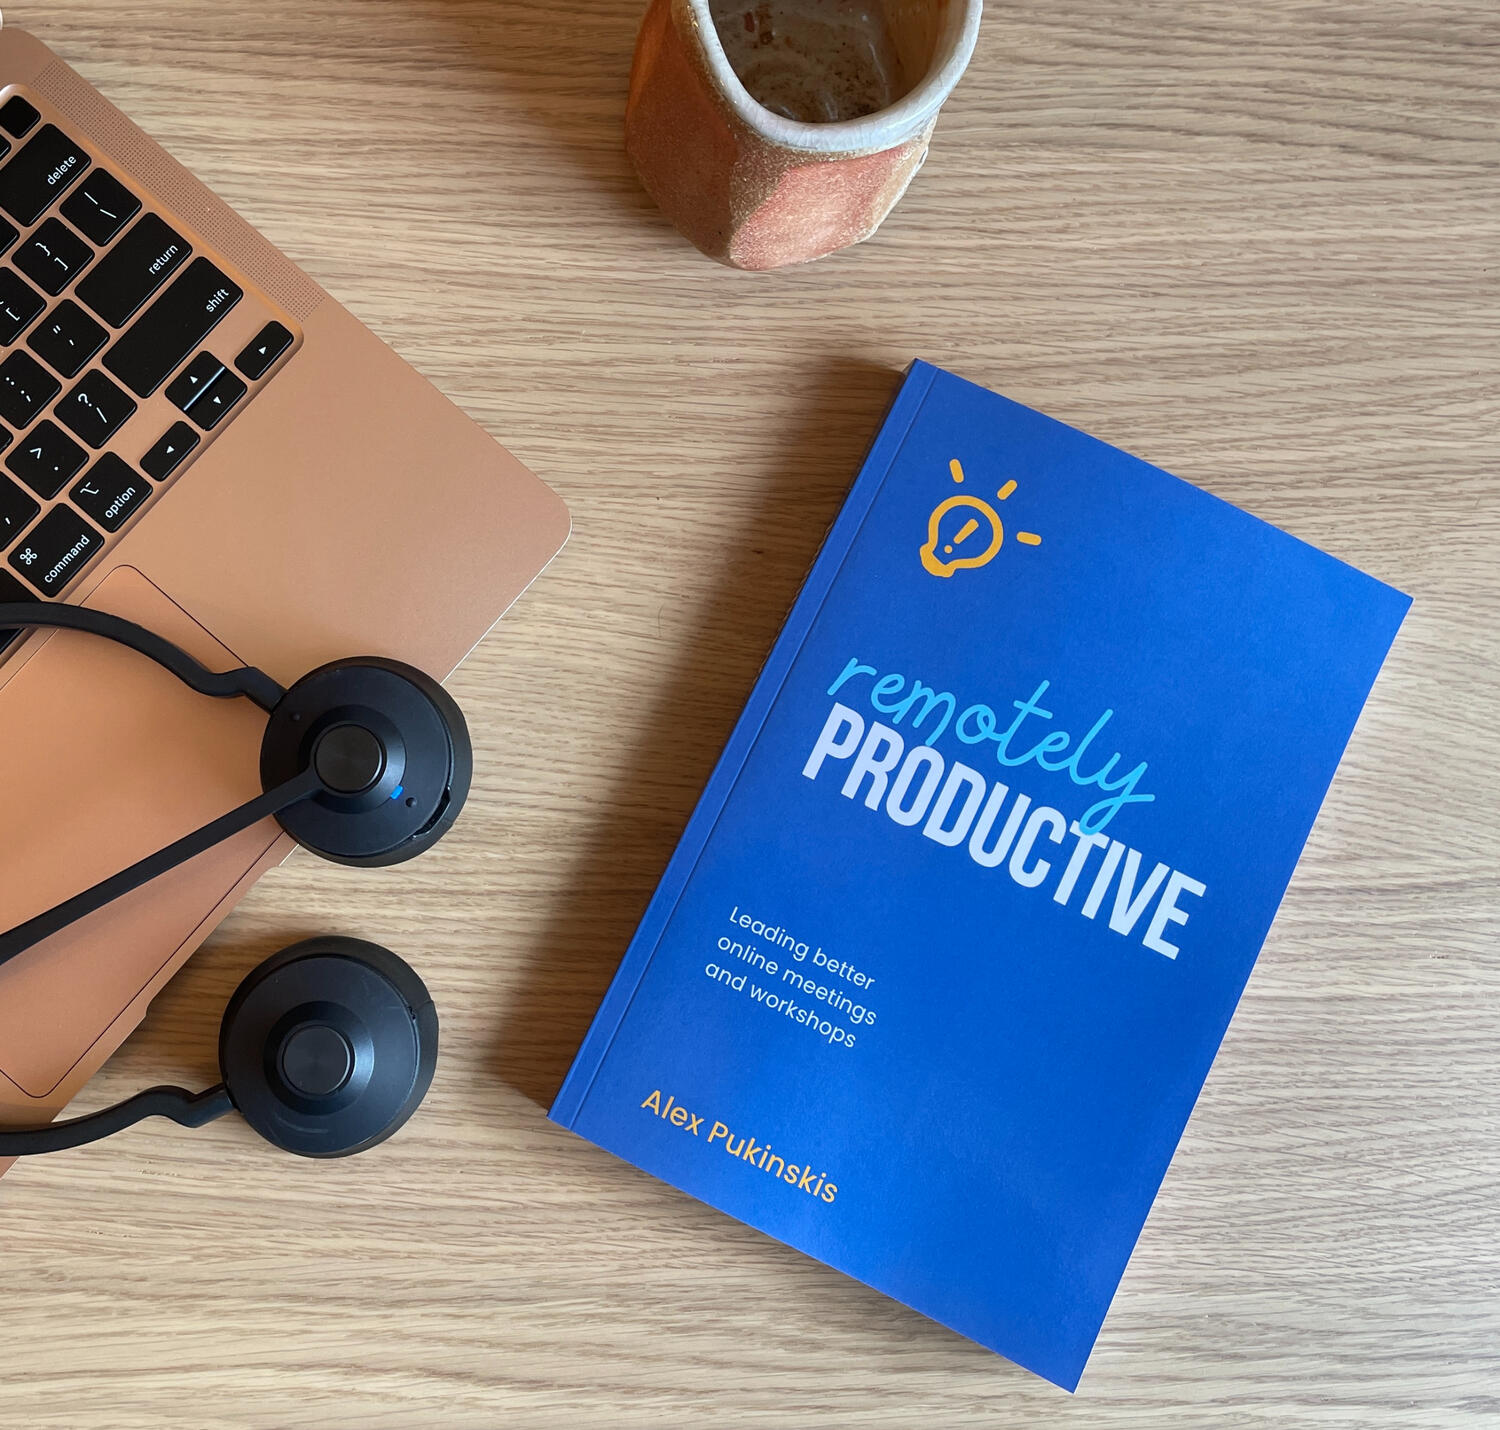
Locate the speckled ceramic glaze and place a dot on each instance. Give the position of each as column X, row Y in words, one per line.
column 752, row 187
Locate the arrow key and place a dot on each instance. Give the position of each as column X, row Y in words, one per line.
column 213, row 406
column 165, row 457
column 193, row 381
column 268, row 345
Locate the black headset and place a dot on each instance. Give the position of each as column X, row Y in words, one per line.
column 329, row 1046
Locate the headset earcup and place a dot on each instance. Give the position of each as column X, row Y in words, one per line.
column 422, row 761
column 328, row 1047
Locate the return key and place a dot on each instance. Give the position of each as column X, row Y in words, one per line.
column 133, row 270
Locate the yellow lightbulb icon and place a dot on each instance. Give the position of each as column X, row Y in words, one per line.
column 965, row 532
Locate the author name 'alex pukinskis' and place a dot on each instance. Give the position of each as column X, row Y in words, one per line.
column 747, row 1149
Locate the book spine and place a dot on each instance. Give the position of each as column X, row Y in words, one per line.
column 836, row 546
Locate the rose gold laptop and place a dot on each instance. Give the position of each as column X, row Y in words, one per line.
column 197, row 438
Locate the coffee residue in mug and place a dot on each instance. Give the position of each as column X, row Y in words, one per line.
column 815, row 60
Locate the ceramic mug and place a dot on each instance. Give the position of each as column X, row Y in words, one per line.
column 775, row 131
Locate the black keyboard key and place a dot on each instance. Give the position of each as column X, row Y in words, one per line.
column 16, row 512
column 6, row 438
column 101, row 207
column 110, row 492
column 53, row 256
column 172, row 327
column 57, row 548
column 17, row 116
column 26, row 387
column 269, row 344
column 19, row 305
column 46, row 167
column 9, row 233
column 67, row 338
column 214, row 405
column 133, row 270
column 46, row 458
column 95, row 409
column 166, row 456
column 12, row 592
column 192, row 382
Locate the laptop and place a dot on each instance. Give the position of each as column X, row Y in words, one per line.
column 193, row 435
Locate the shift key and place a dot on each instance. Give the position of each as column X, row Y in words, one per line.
column 152, row 348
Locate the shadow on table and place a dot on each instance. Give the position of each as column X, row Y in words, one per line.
column 642, row 817
column 557, row 77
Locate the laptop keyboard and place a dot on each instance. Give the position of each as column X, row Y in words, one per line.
column 110, row 376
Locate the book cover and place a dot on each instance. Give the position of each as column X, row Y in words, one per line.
column 936, row 973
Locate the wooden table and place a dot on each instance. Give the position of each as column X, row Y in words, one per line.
column 1256, row 244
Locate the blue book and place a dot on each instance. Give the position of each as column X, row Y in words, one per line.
column 933, row 980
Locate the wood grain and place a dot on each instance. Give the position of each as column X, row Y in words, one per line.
column 1255, row 244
